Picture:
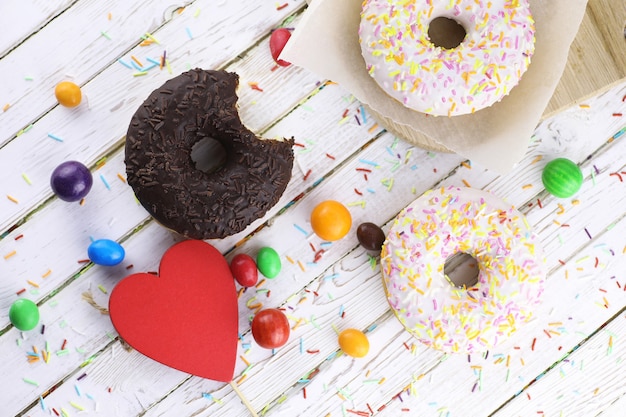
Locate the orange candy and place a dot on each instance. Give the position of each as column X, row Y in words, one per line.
column 331, row 220
column 354, row 343
column 68, row 94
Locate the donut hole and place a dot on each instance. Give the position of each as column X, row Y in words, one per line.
column 446, row 33
column 461, row 270
column 208, row 155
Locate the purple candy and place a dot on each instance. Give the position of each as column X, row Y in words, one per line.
column 71, row 181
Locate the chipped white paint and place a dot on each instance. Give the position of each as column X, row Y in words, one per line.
column 583, row 236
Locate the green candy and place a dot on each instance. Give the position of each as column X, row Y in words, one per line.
column 562, row 178
column 24, row 314
column 268, row 262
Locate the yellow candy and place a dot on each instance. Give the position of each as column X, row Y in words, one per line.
column 68, row 94
column 354, row 343
column 331, row 220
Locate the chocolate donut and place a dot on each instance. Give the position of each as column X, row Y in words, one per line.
column 197, row 105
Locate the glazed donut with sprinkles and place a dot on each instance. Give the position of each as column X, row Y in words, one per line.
column 442, row 223
column 410, row 66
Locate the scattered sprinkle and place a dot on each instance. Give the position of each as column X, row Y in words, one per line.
column 255, row 86
column 138, row 62
column 301, row 230
column 104, row 181
column 368, row 162
column 126, row 64
column 30, row 381
column 77, row 406
column 55, row 137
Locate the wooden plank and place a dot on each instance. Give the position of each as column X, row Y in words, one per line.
column 615, row 409
column 610, row 20
column 587, row 383
column 21, row 18
column 597, row 57
column 67, row 49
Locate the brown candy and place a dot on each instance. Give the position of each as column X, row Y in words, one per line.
column 370, row 236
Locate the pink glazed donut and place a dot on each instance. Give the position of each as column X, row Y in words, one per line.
column 480, row 71
column 511, row 265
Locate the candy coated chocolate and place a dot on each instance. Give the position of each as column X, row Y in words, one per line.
column 370, row 236
column 24, row 314
column 244, row 270
column 270, row 328
column 71, row 181
column 354, row 343
column 68, row 94
column 106, row 252
column 331, row 220
column 268, row 262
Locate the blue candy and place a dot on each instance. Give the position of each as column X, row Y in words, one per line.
column 106, row 252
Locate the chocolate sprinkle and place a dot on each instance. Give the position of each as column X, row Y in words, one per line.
column 201, row 104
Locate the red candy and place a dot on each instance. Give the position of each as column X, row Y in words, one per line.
column 270, row 328
column 244, row 270
column 278, row 40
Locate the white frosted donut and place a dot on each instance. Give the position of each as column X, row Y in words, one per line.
column 511, row 265
column 489, row 62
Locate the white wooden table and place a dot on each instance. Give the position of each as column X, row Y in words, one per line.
column 569, row 361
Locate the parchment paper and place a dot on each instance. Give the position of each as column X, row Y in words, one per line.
column 326, row 42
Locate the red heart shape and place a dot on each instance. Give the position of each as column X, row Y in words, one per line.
column 186, row 317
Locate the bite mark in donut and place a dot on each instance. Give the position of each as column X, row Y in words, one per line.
column 196, row 105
